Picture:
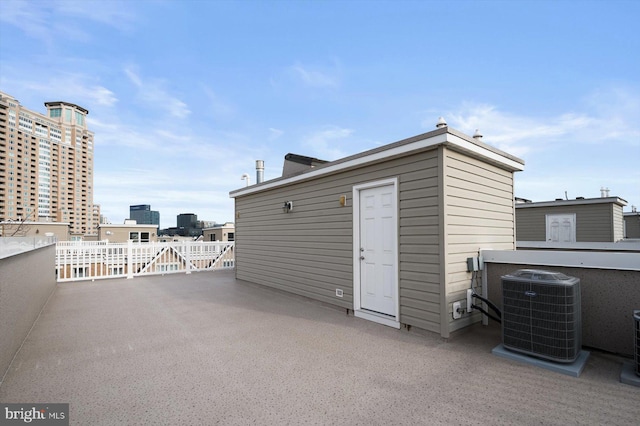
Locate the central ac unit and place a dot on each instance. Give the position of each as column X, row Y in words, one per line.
column 541, row 314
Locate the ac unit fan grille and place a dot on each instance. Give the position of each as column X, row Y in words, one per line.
column 542, row 319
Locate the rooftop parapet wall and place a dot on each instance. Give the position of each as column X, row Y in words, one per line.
column 610, row 287
column 28, row 279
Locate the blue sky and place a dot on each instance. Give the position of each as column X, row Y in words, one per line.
column 184, row 96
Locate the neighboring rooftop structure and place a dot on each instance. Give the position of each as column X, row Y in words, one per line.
column 219, row 232
column 57, row 230
column 129, row 230
column 632, row 224
column 579, row 220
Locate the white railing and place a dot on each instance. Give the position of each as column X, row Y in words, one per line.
column 10, row 246
column 90, row 260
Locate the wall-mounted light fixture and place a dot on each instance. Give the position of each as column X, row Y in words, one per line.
column 287, row 207
column 343, row 200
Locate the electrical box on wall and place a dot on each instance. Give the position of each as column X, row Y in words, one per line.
column 473, row 264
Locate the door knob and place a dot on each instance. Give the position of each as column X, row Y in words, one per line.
column 361, row 257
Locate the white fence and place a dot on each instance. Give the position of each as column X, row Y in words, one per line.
column 10, row 246
column 97, row 260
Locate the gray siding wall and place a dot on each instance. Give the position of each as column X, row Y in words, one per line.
column 632, row 226
column 479, row 214
column 310, row 250
column 594, row 222
column 419, row 241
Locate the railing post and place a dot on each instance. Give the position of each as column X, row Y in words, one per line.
column 129, row 259
column 187, row 255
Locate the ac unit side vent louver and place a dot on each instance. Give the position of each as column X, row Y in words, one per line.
column 541, row 315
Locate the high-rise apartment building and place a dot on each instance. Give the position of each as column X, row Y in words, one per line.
column 46, row 165
column 143, row 214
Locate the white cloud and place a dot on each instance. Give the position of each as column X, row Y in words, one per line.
column 604, row 117
column 314, row 77
column 274, row 134
column 133, row 77
column 29, row 19
column 114, row 14
column 152, row 94
column 328, row 144
column 64, row 18
column 220, row 109
column 76, row 88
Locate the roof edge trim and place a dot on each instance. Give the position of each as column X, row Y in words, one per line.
column 607, row 200
column 416, row 143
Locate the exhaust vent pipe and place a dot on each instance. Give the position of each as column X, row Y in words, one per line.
column 259, row 171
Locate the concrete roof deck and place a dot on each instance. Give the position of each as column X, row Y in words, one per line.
column 208, row 349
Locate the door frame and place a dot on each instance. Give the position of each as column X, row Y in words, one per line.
column 391, row 321
column 550, row 216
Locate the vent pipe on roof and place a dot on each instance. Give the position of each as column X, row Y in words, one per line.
column 441, row 123
column 477, row 135
column 246, row 177
column 259, row 171
column 604, row 192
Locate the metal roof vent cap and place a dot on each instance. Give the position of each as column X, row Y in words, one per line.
column 477, row 135
column 441, row 123
column 259, row 171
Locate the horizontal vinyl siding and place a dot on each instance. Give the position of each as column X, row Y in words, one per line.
column 618, row 223
column 479, row 214
column 594, row 222
column 419, row 244
column 632, row 226
column 531, row 224
column 309, row 251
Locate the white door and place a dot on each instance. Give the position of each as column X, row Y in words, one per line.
column 378, row 252
column 561, row 228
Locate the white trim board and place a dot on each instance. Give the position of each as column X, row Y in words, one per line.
column 624, row 245
column 569, row 259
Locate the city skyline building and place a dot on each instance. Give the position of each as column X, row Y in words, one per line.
column 46, row 165
column 143, row 214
